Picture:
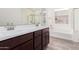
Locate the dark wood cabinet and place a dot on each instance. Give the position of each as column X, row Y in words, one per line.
column 41, row 39
column 36, row 40
column 25, row 46
column 45, row 37
column 14, row 42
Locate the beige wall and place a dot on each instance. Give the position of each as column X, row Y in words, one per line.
column 10, row 15
column 76, row 17
column 65, row 27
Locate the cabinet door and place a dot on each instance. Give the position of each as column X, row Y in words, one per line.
column 37, row 40
column 38, row 47
column 45, row 37
column 25, row 46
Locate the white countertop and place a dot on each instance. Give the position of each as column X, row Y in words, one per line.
column 19, row 30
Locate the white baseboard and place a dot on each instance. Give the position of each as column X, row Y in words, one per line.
column 64, row 36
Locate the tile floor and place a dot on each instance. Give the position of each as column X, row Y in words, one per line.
column 62, row 44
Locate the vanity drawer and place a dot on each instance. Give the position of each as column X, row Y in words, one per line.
column 27, row 36
column 25, row 46
column 45, row 30
column 37, row 33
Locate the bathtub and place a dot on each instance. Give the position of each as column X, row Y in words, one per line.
column 60, row 33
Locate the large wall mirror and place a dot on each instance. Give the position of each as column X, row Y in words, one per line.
column 22, row 16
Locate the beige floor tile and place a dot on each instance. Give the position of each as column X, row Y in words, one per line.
column 62, row 44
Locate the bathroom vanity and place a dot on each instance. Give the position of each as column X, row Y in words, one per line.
column 33, row 39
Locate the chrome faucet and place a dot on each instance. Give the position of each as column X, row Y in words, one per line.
column 10, row 26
